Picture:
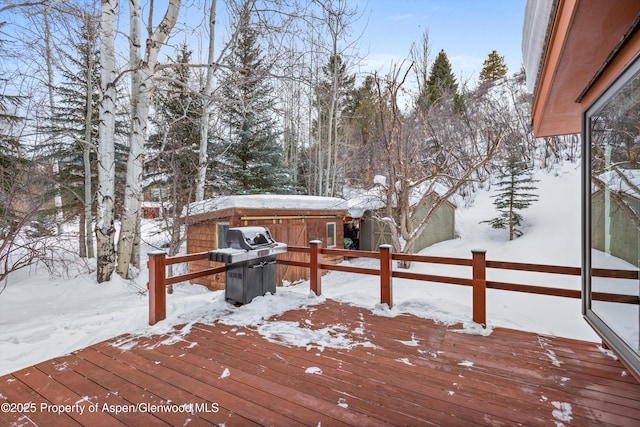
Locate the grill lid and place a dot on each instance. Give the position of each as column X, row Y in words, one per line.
column 249, row 238
column 247, row 243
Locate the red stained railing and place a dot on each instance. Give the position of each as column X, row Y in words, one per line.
column 478, row 263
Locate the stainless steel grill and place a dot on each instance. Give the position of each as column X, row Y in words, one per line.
column 250, row 263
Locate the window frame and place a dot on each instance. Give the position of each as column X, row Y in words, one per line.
column 629, row 356
column 335, row 234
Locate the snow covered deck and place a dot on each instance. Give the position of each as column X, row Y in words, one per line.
column 371, row 370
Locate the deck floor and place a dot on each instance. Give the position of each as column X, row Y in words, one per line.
column 382, row 371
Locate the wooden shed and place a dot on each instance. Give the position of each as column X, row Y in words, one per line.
column 291, row 219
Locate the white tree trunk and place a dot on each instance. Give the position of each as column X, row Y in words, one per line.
column 88, row 194
column 105, row 230
column 141, row 90
column 52, row 109
column 135, row 161
column 203, row 158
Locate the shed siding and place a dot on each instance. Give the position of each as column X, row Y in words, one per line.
column 293, row 227
column 441, row 226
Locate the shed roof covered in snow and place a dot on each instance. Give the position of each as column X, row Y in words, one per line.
column 375, row 197
column 267, row 201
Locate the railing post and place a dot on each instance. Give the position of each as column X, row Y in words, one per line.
column 157, row 287
column 479, row 266
column 315, row 259
column 386, row 268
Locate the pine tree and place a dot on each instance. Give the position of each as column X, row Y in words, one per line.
column 74, row 129
column 75, row 123
column 11, row 161
column 361, row 120
column 515, row 193
column 172, row 163
column 177, row 125
column 442, row 82
column 253, row 156
column 493, row 68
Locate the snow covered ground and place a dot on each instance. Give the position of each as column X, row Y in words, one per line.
column 43, row 317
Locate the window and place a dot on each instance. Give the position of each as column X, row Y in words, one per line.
column 221, row 233
column 158, row 194
column 331, row 234
column 155, row 194
column 611, row 212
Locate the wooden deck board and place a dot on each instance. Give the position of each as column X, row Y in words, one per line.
column 348, row 382
column 398, row 371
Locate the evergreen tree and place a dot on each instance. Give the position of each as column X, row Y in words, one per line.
column 362, row 116
column 75, row 129
column 253, row 157
column 442, row 82
column 493, row 68
column 172, row 162
column 10, row 160
column 515, row 193
column 74, row 132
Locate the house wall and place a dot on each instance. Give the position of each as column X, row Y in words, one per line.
column 578, row 59
column 295, row 228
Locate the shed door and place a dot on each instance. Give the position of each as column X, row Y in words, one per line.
column 366, row 232
column 374, row 233
column 382, row 233
column 293, row 234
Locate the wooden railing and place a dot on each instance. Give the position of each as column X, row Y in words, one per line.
column 158, row 280
column 478, row 281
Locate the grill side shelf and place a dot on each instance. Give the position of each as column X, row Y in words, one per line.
column 232, row 256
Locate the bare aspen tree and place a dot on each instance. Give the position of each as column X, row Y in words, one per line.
column 337, row 19
column 87, row 147
column 420, row 55
column 52, row 107
column 424, row 151
column 105, row 229
column 141, row 90
column 207, row 105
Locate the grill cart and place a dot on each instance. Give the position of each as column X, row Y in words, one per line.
column 250, row 263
